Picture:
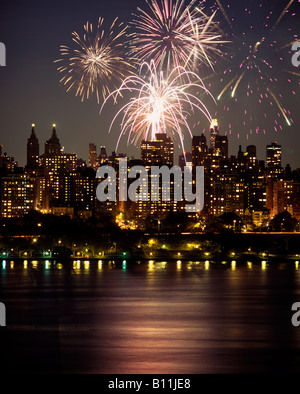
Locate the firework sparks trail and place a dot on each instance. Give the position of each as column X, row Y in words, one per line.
column 97, row 64
column 173, row 34
column 224, row 13
column 282, row 14
column 253, row 78
column 162, row 103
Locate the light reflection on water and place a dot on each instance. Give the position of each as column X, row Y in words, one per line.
column 87, row 316
column 151, row 265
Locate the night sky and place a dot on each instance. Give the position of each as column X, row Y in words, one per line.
column 33, row 31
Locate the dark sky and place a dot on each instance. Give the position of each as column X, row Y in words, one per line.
column 33, row 31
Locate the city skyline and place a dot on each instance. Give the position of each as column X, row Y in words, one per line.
column 55, row 181
column 30, row 85
column 137, row 154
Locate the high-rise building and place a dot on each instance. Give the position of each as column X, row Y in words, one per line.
column 7, row 162
column 221, row 146
column 76, row 190
column 84, row 190
column 1, row 156
column 102, row 158
column 159, row 151
column 275, row 196
column 52, row 146
column 62, row 161
column 273, row 159
column 256, row 193
column 250, row 160
column 185, row 160
column 251, row 150
column 225, row 193
column 55, row 163
column 214, row 131
column 199, row 150
column 296, row 200
column 33, row 150
column 156, row 153
column 92, row 155
column 40, row 200
column 283, row 195
column 16, row 192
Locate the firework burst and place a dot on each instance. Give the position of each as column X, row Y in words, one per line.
column 173, row 34
column 256, row 79
column 98, row 63
column 162, row 103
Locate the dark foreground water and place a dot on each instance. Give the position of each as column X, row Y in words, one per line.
column 152, row 318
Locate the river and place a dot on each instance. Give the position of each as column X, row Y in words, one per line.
column 149, row 317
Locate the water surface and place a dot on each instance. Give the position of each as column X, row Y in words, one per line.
column 149, row 317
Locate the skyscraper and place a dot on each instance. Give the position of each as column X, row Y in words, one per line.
column 214, row 131
column 199, row 150
column 185, row 160
column 17, row 195
column 273, row 159
column 55, row 165
column 102, row 158
column 251, row 159
column 159, row 151
column 221, row 146
column 1, row 156
column 52, row 146
column 156, row 153
column 33, row 150
column 92, row 155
